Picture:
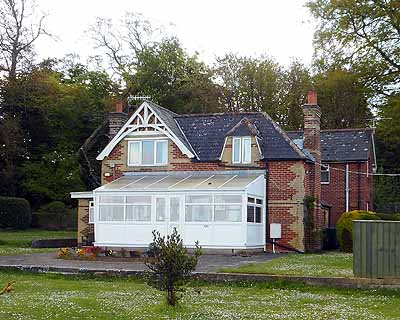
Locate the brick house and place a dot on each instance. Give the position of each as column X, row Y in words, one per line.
column 232, row 181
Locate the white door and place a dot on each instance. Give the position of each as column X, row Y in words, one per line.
column 168, row 214
column 175, row 214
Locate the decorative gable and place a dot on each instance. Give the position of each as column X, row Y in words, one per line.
column 148, row 120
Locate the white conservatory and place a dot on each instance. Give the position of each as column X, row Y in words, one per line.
column 221, row 210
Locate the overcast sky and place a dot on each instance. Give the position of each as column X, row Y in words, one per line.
column 280, row 28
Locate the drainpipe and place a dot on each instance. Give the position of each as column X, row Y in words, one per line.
column 347, row 188
column 266, row 231
column 359, row 186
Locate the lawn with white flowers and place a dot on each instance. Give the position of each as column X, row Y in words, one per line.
column 19, row 242
column 328, row 264
column 49, row 296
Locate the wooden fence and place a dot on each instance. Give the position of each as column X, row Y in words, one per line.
column 376, row 249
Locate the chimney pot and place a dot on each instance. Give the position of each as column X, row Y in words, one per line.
column 119, row 107
column 312, row 98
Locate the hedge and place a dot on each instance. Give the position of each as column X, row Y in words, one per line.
column 345, row 227
column 55, row 216
column 15, row 213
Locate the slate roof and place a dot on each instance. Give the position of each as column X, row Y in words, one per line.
column 168, row 117
column 342, row 144
column 207, row 133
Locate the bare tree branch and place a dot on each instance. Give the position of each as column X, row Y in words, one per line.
column 19, row 29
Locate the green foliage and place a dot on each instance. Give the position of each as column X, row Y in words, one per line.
column 170, row 265
column 345, row 227
column 174, row 79
column 387, row 189
column 49, row 114
column 342, row 98
column 250, row 84
column 362, row 34
column 14, row 213
column 55, row 216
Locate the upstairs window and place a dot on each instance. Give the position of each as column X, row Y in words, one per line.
column 148, row 153
column 325, row 174
column 241, row 152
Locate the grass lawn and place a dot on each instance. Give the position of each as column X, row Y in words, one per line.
column 47, row 296
column 334, row 264
column 19, row 241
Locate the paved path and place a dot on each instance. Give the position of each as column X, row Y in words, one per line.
column 207, row 263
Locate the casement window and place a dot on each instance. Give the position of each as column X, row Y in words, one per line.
column 241, row 152
column 198, row 208
column 91, row 211
column 254, row 210
column 111, row 208
column 224, row 208
column 228, row 208
column 138, row 208
column 325, row 174
column 148, row 153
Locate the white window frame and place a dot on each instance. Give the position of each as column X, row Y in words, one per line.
column 242, row 150
column 140, row 163
column 91, row 212
column 328, row 169
column 255, row 205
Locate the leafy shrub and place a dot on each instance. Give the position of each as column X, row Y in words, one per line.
column 345, row 227
column 55, row 216
column 171, row 265
column 15, row 213
column 389, row 216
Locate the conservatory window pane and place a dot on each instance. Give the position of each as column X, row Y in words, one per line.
column 228, row 213
column 231, row 198
column 236, row 150
column 112, row 199
column 251, row 200
column 250, row 213
column 199, row 199
column 198, row 213
column 162, row 152
column 160, row 209
column 138, row 199
column 258, row 201
column 134, row 153
column 138, row 212
column 111, row 213
column 246, row 150
column 258, row 214
column 175, row 209
column 148, row 152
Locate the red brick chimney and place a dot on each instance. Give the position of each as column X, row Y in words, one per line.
column 116, row 119
column 312, row 142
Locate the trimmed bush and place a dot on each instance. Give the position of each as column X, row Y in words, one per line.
column 345, row 227
column 55, row 216
column 15, row 213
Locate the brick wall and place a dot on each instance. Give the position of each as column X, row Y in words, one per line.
column 360, row 185
column 286, row 191
column 84, row 228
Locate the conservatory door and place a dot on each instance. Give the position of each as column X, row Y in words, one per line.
column 168, row 213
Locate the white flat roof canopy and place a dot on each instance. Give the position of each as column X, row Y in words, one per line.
column 181, row 181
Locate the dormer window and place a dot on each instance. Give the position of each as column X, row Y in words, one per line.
column 148, row 153
column 241, row 152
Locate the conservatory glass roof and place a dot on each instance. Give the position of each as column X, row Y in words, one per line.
column 181, row 181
